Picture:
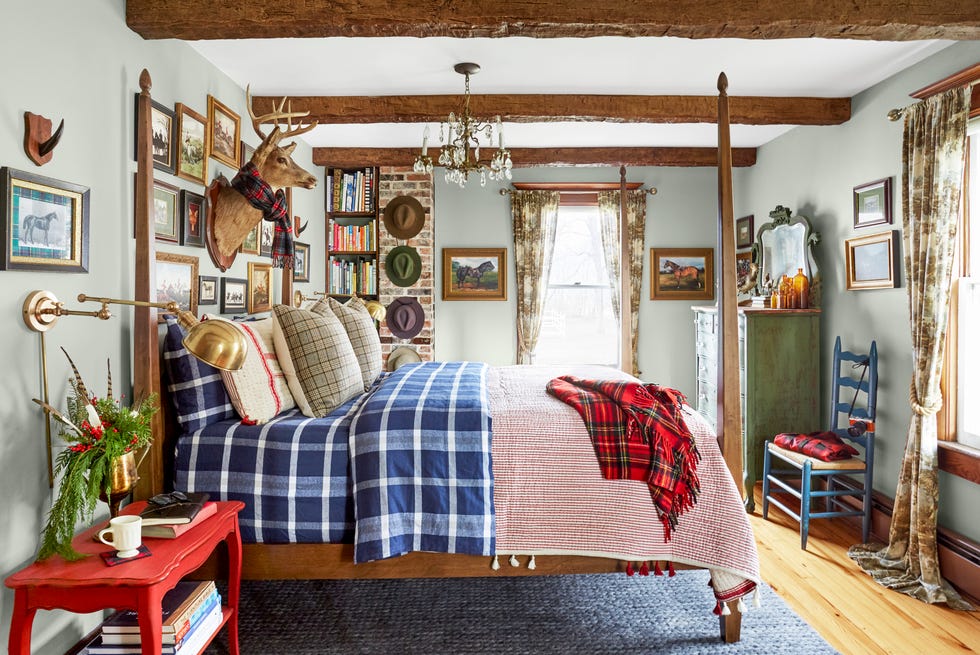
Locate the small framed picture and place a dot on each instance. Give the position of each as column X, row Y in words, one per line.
column 259, row 287
column 745, row 231
column 233, row 292
column 474, row 274
column 192, row 159
column 224, row 135
column 682, row 274
column 267, row 230
column 872, row 261
column 176, row 280
column 873, row 203
column 164, row 127
column 301, row 262
column 166, row 224
column 207, row 290
column 250, row 245
column 247, row 152
column 43, row 223
column 191, row 218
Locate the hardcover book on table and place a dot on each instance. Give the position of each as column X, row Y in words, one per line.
column 174, row 530
column 174, row 512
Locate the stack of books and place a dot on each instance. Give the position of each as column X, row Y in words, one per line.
column 169, row 521
column 191, row 616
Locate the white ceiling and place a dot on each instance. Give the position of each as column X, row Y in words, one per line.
column 593, row 66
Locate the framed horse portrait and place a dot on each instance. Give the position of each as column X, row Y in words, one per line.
column 682, row 273
column 43, row 223
column 474, row 274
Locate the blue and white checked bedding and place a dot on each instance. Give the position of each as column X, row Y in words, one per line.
column 410, row 475
column 420, row 463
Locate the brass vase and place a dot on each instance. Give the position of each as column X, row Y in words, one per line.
column 122, row 480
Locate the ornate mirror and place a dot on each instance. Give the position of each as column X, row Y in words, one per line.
column 783, row 246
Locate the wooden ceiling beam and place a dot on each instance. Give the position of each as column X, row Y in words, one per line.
column 879, row 20
column 533, row 157
column 537, row 108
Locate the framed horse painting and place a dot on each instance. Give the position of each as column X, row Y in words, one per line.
column 682, row 273
column 474, row 274
column 43, row 223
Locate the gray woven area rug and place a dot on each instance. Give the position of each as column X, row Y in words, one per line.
column 585, row 614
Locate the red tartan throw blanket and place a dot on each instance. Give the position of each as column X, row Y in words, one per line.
column 260, row 195
column 639, row 434
column 825, row 446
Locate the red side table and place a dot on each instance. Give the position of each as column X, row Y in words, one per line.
column 90, row 585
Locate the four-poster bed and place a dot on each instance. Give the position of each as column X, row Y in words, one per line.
column 325, row 560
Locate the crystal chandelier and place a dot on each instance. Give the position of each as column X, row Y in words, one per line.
column 459, row 140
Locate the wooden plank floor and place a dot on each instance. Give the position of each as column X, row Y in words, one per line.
column 849, row 609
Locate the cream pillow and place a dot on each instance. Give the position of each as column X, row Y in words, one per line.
column 317, row 358
column 363, row 336
column 258, row 390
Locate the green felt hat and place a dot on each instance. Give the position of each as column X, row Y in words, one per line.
column 403, row 266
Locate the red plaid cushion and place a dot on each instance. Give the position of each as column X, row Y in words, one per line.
column 825, row 446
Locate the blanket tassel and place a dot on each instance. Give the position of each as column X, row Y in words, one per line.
column 725, row 609
column 756, row 598
column 644, row 569
column 513, row 561
column 742, row 609
column 656, row 569
column 531, row 565
column 629, row 569
column 717, row 610
column 670, row 568
column 496, row 564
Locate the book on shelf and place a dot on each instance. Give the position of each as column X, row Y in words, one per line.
column 182, row 511
column 193, row 642
column 174, row 530
column 179, row 606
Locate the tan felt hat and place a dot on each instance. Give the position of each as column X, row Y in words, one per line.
column 401, row 356
column 404, row 217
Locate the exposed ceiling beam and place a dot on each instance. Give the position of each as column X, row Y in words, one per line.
column 528, row 157
column 534, row 108
column 880, row 20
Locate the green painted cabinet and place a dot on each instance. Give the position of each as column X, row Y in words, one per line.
column 779, row 361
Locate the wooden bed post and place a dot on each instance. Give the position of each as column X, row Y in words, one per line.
column 146, row 361
column 625, row 283
column 729, row 422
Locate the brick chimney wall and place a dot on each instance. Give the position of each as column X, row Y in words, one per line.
column 402, row 181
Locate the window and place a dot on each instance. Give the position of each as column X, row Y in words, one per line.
column 578, row 324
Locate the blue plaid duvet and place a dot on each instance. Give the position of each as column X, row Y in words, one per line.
column 420, row 463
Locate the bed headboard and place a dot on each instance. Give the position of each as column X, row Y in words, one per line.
column 146, row 361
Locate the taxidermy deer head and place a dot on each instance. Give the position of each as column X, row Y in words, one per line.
column 231, row 216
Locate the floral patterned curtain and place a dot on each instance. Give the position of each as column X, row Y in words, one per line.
column 933, row 155
column 636, row 219
column 535, row 216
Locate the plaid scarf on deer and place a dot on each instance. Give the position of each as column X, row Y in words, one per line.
column 638, row 434
column 257, row 191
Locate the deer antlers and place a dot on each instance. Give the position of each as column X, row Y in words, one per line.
column 277, row 114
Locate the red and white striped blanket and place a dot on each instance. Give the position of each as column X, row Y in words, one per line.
column 551, row 499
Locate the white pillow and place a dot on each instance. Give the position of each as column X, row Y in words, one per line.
column 258, row 390
column 317, row 358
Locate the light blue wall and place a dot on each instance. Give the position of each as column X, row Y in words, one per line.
column 813, row 171
column 79, row 61
column 683, row 214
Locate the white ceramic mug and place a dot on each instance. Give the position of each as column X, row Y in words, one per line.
column 126, row 534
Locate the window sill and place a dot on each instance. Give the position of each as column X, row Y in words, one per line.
column 960, row 460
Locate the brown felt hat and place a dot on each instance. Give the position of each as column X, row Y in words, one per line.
column 405, row 317
column 404, row 217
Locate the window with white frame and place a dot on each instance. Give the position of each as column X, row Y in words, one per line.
column 968, row 314
column 578, row 324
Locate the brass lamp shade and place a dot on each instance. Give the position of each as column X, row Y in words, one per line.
column 214, row 342
column 376, row 310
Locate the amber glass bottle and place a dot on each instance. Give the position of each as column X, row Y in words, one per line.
column 786, row 297
column 801, row 289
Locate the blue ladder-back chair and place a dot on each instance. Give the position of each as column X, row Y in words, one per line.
column 860, row 378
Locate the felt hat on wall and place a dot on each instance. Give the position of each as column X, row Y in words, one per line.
column 405, row 317
column 401, row 356
column 404, row 217
column 403, row 266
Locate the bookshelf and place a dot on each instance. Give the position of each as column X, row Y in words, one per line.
column 352, row 232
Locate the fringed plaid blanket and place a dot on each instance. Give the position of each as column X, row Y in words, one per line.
column 257, row 191
column 638, row 434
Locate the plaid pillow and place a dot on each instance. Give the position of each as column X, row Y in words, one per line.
column 363, row 336
column 825, row 446
column 317, row 357
column 195, row 388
